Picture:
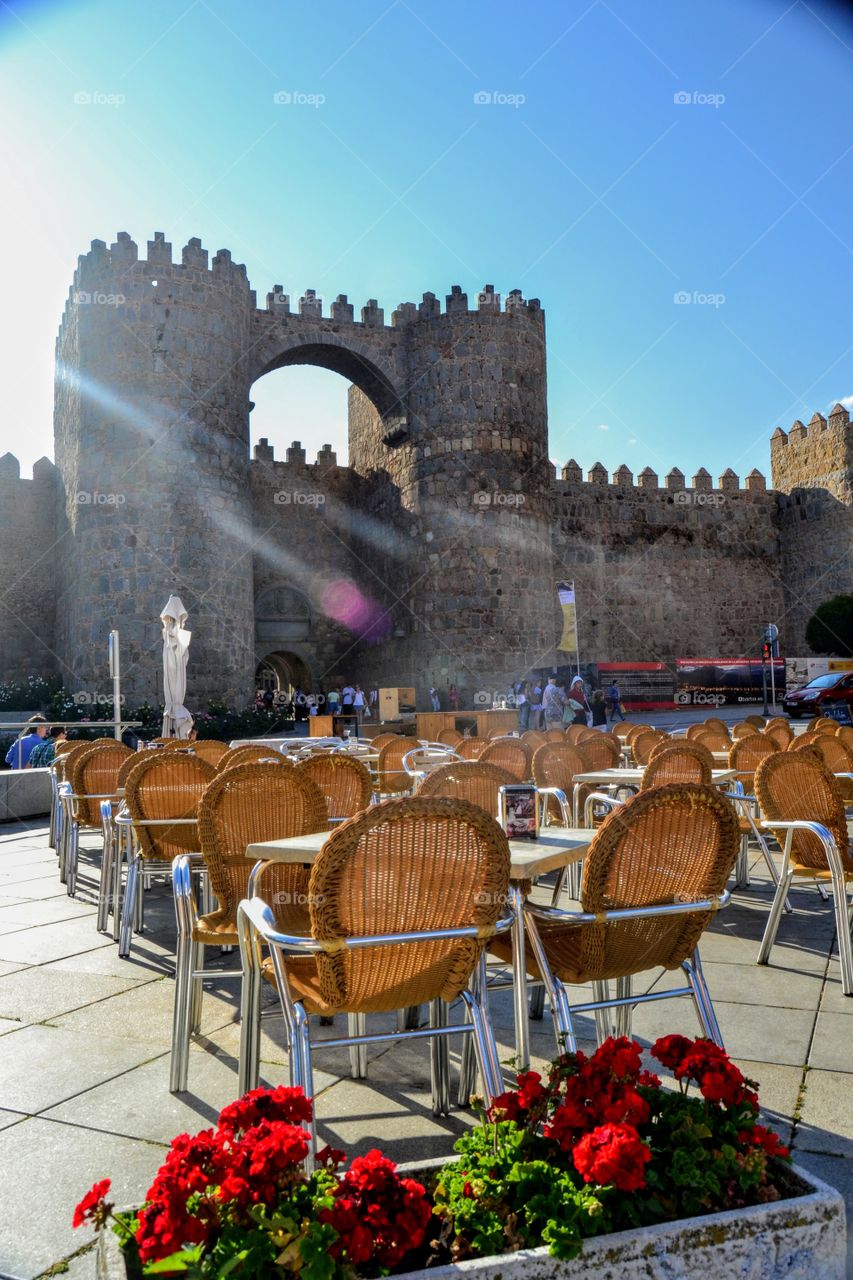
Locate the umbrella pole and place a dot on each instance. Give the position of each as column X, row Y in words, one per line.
column 115, row 672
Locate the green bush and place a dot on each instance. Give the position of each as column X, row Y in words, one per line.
column 830, row 628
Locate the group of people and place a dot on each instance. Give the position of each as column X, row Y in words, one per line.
column 345, row 700
column 559, row 703
column 36, row 746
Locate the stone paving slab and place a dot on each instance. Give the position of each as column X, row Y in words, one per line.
column 91, row 1061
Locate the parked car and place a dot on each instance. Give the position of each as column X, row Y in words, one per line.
column 818, row 696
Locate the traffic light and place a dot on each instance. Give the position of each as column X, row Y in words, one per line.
column 766, row 652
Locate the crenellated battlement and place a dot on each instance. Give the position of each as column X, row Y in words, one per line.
column 648, row 480
column 816, row 456
column 838, row 423
column 296, row 458
column 44, row 472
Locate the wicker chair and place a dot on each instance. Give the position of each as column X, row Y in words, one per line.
column 382, row 739
column 572, row 735
column 116, row 848
column 743, row 730
column 776, row 720
column 781, row 734
column 534, row 738
column 714, row 740
column 450, row 737
column 601, row 751
column 251, row 753
column 392, row 778
column 838, row 758
column 803, row 807
column 716, row 724
column 62, row 767
column 635, row 730
column 559, row 735
column 822, row 724
column 472, row 748
column 344, row 783
column 243, row 805
column 757, row 720
column 161, row 794
column 653, row 878
column 844, row 733
column 803, row 741
column 700, row 752
column 745, row 755
column 644, row 743
column 92, row 778
column 695, row 731
column 210, row 749
column 621, row 730
column 473, row 780
column 554, row 767
column 511, row 754
column 437, row 869
column 676, row 762
column 584, row 734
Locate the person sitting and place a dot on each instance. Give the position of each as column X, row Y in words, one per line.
column 43, row 753
column 18, row 755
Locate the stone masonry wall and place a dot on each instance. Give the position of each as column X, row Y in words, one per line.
column 28, row 531
column 813, row 472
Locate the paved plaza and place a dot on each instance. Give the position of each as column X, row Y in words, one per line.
column 84, row 1050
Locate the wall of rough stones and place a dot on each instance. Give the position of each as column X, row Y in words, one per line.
column 431, row 558
column 667, row 571
column 28, row 532
column 813, row 473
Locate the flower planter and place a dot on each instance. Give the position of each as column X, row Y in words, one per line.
column 802, row 1237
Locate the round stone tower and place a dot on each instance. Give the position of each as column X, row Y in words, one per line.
column 465, row 475
column 151, row 433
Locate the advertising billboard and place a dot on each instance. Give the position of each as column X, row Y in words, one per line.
column 645, row 686
column 718, row 682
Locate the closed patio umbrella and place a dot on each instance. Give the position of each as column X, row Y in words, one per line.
column 177, row 721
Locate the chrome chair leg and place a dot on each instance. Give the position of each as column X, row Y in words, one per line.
column 250, row 1013
column 467, row 1066
column 702, row 999
column 357, row 1026
column 196, row 987
column 772, row 926
column 623, row 1014
column 842, row 927
column 475, row 998
column 601, row 991
column 742, row 863
column 301, row 1051
column 409, row 1019
column 439, row 1060
column 122, row 848
column 128, row 912
column 181, row 1016
column 105, row 883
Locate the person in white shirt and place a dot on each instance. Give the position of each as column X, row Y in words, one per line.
column 358, row 701
column 347, row 697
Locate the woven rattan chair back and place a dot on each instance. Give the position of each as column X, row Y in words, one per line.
column 406, row 866
column 392, row 775
column 621, row 730
column 585, row 733
column 690, row 744
column 844, row 733
column 572, row 735
column 635, row 731
column 781, row 734
column 746, row 754
column 802, row 741
column 450, row 737
column 674, row 843
column 695, row 731
column 714, row 740
column 644, row 744
column 534, row 738
column 823, row 724
column 249, row 804
column 600, row 751
column 743, row 730
column 66, row 762
column 715, row 723
column 165, row 784
column 474, row 781
column 472, row 748
column 676, row 762
column 776, row 720
column 797, row 786
column 343, row 782
column 838, row 758
column 757, row 720
column 251, row 753
column 95, row 773
column 210, row 749
column 511, row 754
column 382, row 739
column 127, row 765
column 555, row 765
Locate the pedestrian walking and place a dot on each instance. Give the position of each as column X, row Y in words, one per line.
column 614, row 702
column 554, row 702
column 435, row 699
column 578, row 703
column 522, row 702
column 598, row 707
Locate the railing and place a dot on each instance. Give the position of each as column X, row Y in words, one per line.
column 114, row 727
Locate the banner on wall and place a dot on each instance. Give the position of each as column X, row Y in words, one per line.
column 569, row 639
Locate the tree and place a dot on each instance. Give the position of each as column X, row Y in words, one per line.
column 830, row 628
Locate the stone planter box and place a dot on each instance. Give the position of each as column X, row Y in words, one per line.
column 801, row 1238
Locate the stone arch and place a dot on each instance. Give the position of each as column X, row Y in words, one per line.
column 352, row 359
column 290, row 666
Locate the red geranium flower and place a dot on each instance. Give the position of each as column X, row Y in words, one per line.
column 759, row 1136
column 613, row 1154
column 92, row 1208
column 283, row 1103
column 671, row 1050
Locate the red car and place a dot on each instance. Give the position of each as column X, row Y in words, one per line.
column 822, row 696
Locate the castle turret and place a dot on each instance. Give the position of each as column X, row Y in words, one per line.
column 151, row 428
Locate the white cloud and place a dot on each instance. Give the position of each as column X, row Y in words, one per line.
column 847, row 401
column 602, row 426
column 633, row 440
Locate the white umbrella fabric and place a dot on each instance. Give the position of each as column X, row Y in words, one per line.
column 177, row 721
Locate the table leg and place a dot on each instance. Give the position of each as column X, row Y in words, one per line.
column 519, row 982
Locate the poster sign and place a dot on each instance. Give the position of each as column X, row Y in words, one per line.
column 644, row 686
column 719, row 682
column 569, row 639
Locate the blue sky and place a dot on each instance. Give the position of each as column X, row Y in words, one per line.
column 584, row 182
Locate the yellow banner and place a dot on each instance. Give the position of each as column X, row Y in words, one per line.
column 569, row 639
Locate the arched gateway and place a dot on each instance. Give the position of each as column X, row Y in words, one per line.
column 426, row 560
